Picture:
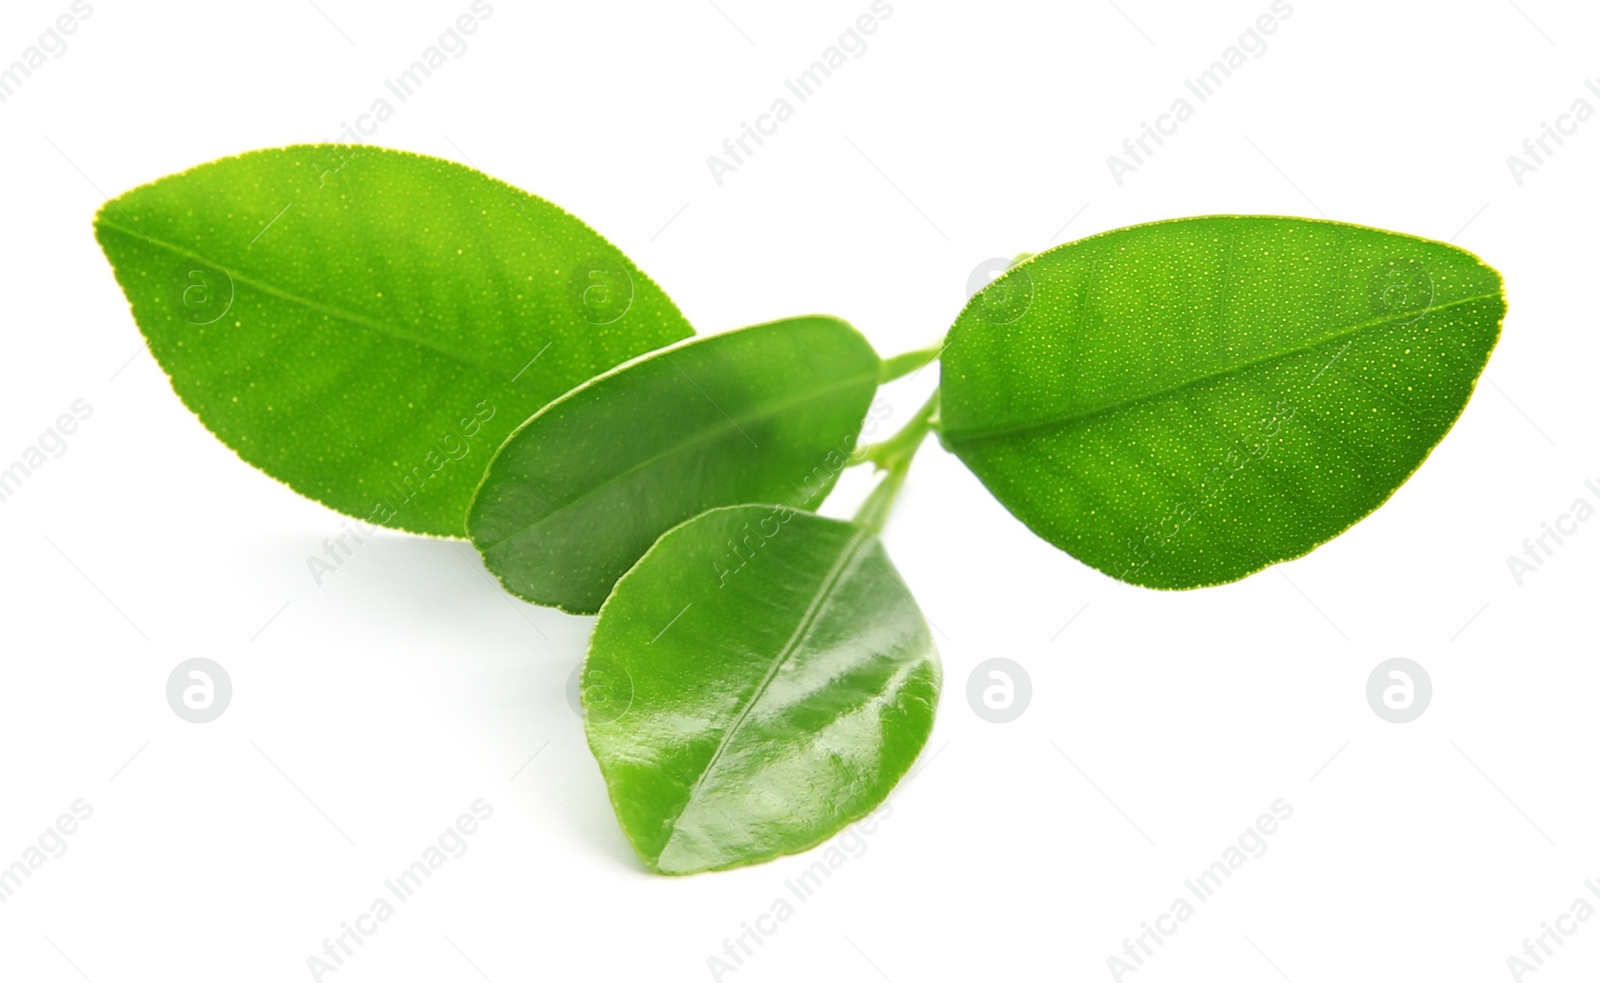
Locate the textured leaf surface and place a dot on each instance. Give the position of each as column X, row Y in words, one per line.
column 577, row 494
column 745, row 703
column 1181, row 404
column 367, row 325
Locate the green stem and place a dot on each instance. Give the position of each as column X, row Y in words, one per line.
column 875, row 510
column 907, row 363
column 905, row 442
column 894, row 456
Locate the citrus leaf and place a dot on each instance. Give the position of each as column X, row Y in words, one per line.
column 1184, row 403
column 367, row 325
column 757, row 682
column 580, row 491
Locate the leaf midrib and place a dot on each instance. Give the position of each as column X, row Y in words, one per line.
column 703, row 436
column 359, row 320
column 1064, row 419
column 813, row 613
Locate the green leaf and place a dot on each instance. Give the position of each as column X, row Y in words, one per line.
column 1184, row 403
column 579, row 492
column 366, row 325
column 757, row 682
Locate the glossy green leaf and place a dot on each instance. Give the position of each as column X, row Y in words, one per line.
column 1184, row 403
column 579, row 492
column 757, row 682
column 367, row 325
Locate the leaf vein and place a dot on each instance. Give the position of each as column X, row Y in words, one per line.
column 359, row 320
column 1010, row 429
column 703, row 436
column 808, row 620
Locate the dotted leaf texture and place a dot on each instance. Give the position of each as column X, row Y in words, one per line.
column 1184, row 403
column 367, row 325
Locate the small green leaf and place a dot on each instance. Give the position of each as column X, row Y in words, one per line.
column 757, row 682
column 366, row 325
column 579, row 492
column 1184, row 403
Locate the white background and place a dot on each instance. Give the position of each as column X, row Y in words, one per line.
column 372, row 710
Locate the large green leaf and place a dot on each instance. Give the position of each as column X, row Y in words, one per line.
column 1181, row 404
column 757, row 682
column 579, row 492
column 367, row 325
